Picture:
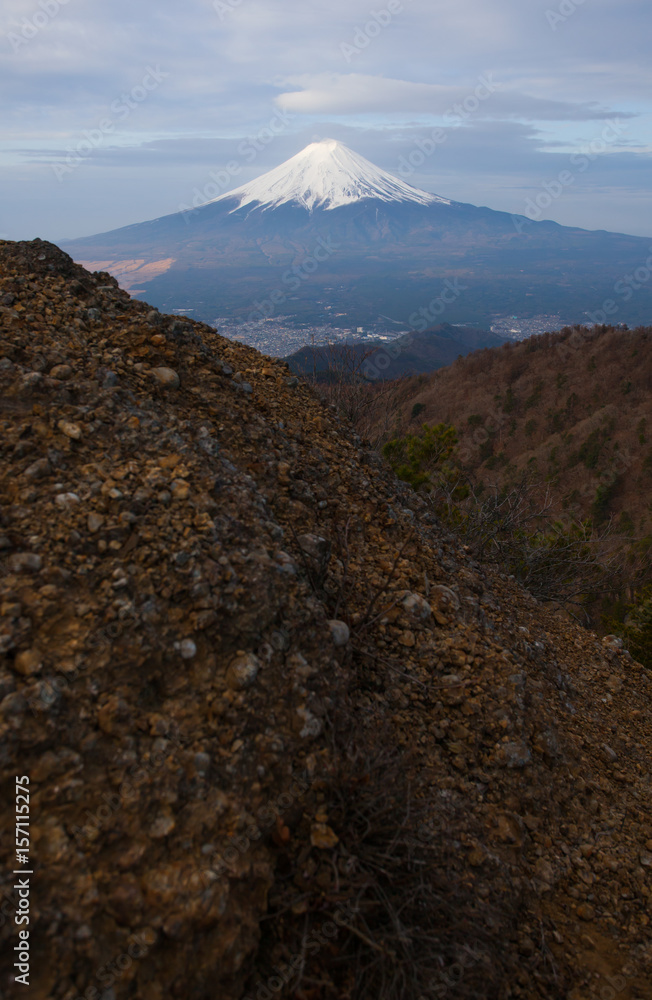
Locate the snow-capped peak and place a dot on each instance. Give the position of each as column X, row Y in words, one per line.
column 326, row 174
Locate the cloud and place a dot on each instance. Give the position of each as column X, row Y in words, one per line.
column 230, row 68
column 356, row 93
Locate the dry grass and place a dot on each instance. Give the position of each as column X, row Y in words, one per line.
column 410, row 922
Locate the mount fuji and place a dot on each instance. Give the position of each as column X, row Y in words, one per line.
column 326, row 175
column 328, row 236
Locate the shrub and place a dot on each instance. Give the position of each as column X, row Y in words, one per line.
column 640, row 430
column 510, row 401
column 415, row 458
column 417, row 409
column 589, row 452
column 636, row 630
column 603, row 497
column 536, row 395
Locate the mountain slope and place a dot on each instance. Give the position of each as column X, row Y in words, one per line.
column 333, row 230
column 326, row 174
column 573, row 409
column 444, row 789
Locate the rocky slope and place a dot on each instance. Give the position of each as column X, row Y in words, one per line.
column 284, row 737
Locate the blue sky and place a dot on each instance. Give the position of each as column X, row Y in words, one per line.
column 117, row 112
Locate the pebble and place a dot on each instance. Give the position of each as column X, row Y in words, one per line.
column 29, row 662
column 166, row 377
column 179, row 489
column 67, row 500
column 61, row 372
column 243, row 671
column 187, row 649
column 339, row 632
column 95, row 522
column 515, row 754
column 71, row 430
column 38, row 469
column 162, row 827
column 25, row 562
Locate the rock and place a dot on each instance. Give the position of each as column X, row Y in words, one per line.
column 95, row 522
column 187, row 649
column 61, row 372
column 314, row 546
column 323, row 837
column 13, row 707
column 407, row 638
column 162, row 827
column 73, row 431
column 339, row 632
column 444, row 600
column 544, row 871
column 416, row 605
column 67, row 500
column 515, row 754
column 202, row 762
column 586, row 912
column 179, row 489
column 29, row 662
column 25, row 562
column 38, row 469
column 243, row 671
column 609, row 754
column 166, row 377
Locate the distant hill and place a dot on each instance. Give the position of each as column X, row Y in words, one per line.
column 573, row 408
column 411, row 354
